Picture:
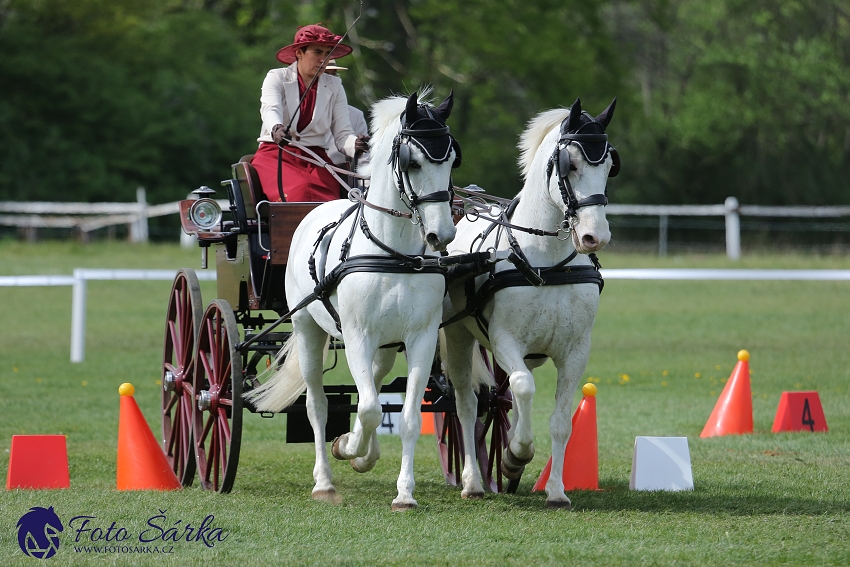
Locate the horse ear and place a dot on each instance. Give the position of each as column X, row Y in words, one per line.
column 445, row 108
column 575, row 116
column 607, row 114
column 410, row 112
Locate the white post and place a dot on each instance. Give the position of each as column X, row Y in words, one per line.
column 78, row 318
column 141, row 231
column 733, row 229
column 662, row 235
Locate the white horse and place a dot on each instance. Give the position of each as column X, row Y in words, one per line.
column 381, row 295
column 565, row 160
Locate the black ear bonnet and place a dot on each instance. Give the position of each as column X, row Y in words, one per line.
column 592, row 141
column 428, row 131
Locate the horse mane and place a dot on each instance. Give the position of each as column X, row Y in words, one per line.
column 385, row 113
column 535, row 132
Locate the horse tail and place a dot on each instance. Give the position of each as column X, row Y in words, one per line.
column 481, row 373
column 286, row 383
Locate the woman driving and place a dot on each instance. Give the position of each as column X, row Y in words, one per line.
column 301, row 103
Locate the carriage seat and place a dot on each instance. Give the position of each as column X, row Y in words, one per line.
column 249, row 185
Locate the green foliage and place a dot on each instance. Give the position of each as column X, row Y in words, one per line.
column 729, row 97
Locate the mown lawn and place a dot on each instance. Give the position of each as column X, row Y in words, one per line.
column 661, row 354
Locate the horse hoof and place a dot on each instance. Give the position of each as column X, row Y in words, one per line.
column 404, row 506
column 335, row 450
column 513, row 466
column 472, row 495
column 328, row 495
column 559, row 505
column 362, row 466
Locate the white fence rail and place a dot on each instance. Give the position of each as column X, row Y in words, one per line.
column 87, row 217
column 82, row 276
column 731, row 209
column 78, row 282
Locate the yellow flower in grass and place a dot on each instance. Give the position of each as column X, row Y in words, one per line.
column 697, row 374
column 84, row 383
column 665, row 373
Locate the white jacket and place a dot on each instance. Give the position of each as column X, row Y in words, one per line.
column 359, row 126
column 279, row 103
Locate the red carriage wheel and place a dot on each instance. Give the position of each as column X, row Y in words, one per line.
column 218, row 398
column 450, row 445
column 181, row 330
column 495, row 423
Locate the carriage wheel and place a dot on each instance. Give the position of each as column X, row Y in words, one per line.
column 450, row 446
column 495, row 423
column 181, row 330
column 218, row 399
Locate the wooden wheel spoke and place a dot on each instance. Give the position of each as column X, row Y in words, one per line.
column 207, row 427
column 223, row 424
column 172, row 401
column 172, row 336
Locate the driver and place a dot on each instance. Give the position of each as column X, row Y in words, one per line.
column 321, row 118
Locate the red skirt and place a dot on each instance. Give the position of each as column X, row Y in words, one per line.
column 302, row 181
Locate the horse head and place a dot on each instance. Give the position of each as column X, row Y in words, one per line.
column 579, row 160
column 422, row 155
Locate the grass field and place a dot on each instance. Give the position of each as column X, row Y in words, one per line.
column 661, row 353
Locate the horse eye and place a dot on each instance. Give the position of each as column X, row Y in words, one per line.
column 573, row 167
column 414, row 165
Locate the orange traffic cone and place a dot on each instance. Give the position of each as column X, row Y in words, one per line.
column 428, row 420
column 581, row 458
column 733, row 413
column 141, row 463
column 38, row 462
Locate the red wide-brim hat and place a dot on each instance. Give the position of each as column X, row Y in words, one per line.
column 313, row 35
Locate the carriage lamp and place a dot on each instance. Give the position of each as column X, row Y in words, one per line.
column 205, row 213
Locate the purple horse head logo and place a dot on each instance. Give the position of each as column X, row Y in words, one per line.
column 38, row 532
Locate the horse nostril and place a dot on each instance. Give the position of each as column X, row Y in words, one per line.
column 589, row 240
column 433, row 240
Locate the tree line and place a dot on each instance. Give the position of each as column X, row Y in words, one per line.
column 715, row 98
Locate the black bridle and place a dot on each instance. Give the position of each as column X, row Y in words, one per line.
column 560, row 162
column 400, row 159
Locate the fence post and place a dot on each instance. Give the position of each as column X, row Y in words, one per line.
column 662, row 234
column 78, row 317
column 733, row 229
column 139, row 229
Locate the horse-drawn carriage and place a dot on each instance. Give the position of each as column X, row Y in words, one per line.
column 215, row 357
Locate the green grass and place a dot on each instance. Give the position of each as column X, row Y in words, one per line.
column 661, row 353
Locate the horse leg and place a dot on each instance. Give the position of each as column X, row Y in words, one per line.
column 570, row 371
column 311, row 340
column 420, row 355
column 520, row 448
column 457, row 359
column 356, row 443
column 381, row 366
